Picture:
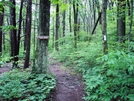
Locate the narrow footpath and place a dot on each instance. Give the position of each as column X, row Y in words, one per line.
column 69, row 86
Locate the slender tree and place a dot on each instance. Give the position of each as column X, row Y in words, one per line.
column 57, row 27
column 53, row 42
column 19, row 27
column 75, row 10
column 35, row 29
column 35, row 22
column 42, row 45
column 1, row 23
column 28, row 32
column 70, row 19
column 64, row 22
column 94, row 11
column 13, row 33
column 104, row 28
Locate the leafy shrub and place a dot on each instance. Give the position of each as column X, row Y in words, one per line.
column 112, row 79
column 20, row 85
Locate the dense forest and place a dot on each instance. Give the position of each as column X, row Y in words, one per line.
column 95, row 38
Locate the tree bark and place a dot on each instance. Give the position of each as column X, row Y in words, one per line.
column 104, row 28
column 75, row 9
column 28, row 33
column 70, row 24
column 94, row 12
column 121, row 24
column 130, row 24
column 42, row 45
column 53, row 39
column 1, row 23
column 131, row 19
column 64, row 23
column 35, row 30
column 57, row 27
column 13, row 34
column 19, row 27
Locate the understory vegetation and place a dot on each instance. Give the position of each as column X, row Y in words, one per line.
column 94, row 37
column 107, row 77
column 19, row 85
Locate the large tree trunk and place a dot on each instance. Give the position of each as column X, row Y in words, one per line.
column 44, row 19
column 121, row 24
column 57, row 27
column 13, row 35
column 1, row 23
column 104, row 28
column 28, row 33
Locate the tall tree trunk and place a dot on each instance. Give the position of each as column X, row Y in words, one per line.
column 25, row 28
column 104, row 28
column 131, row 21
column 121, row 24
column 44, row 19
column 35, row 30
column 57, row 27
column 70, row 24
column 91, row 15
column 28, row 32
column 53, row 42
column 35, row 22
column 98, row 7
column 13, row 34
column 24, row 33
column 1, row 23
column 94, row 11
column 75, row 9
column 19, row 27
column 64, row 23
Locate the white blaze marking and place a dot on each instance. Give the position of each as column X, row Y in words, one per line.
column 105, row 38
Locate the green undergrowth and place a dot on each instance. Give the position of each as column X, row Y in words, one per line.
column 112, row 79
column 18, row 85
column 85, row 54
column 107, row 77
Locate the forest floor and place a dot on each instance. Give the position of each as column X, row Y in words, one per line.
column 5, row 68
column 69, row 85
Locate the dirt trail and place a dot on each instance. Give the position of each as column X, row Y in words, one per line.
column 5, row 68
column 69, row 87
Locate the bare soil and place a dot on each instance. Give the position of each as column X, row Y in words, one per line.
column 69, row 86
column 5, row 68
